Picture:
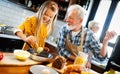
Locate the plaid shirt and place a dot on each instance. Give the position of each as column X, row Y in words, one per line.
column 89, row 44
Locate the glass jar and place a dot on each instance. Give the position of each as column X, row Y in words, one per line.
column 81, row 58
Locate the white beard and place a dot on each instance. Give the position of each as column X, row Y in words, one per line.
column 71, row 27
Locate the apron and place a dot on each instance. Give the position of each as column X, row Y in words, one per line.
column 74, row 48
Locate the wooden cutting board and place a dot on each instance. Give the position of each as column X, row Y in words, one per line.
column 10, row 65
column 9, row 59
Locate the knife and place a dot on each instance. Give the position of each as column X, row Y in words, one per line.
column 31, row 50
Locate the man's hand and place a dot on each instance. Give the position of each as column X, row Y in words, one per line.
column 88, row 64
column 110, row 35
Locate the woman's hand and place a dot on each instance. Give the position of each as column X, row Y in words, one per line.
column 31, row 39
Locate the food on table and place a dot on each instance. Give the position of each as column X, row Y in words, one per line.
column 73, row 68
column 45, row 71
column 1, row 56
column 59, row 62
column 79, row 60
column 21, row 54
column 85, row 72
column 39, row 49
column 42, row 69
column 76, row 69
column 74, row 73
column 111, row 71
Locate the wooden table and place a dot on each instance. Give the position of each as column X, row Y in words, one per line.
column 68, row 63
column 10, row 65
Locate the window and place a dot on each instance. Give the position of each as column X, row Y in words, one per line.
column 102, row 13
column 88, row 7
column 115, row 22
column 111, row 22
column 115, row 25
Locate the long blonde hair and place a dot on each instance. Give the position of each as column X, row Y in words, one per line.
column 51, row 5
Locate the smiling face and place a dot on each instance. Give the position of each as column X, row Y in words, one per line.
column 48, row 15
column 73, row 20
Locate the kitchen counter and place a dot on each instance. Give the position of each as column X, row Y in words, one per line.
column 9, row 36
column 37, row 69
column 17, row 38
column 10, row 42
column 51, row 45
column 10, row 65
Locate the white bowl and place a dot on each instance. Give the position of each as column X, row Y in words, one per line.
column 21, row 54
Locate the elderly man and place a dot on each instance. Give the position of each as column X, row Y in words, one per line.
column 74, row 37
column 94, row 27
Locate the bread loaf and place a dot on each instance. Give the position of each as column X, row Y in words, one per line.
column 59, row 62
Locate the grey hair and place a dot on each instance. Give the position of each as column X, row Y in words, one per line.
column 80, row 9
column 92, row 23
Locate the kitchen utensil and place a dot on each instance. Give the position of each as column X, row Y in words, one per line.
column 42, row 57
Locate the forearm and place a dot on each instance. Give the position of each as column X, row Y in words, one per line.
column 104, row 48
column 21, row 35
column 89, row 58
column 108, row 36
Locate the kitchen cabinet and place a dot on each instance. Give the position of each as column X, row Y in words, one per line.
column 63, row 5
column 8, row 43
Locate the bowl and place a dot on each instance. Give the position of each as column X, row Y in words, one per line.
column 21, row 54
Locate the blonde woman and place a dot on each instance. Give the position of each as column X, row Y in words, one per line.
column 35, row 29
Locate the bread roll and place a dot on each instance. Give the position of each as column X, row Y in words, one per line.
column 74, row 68
column 45, row 71
column 74, row 73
